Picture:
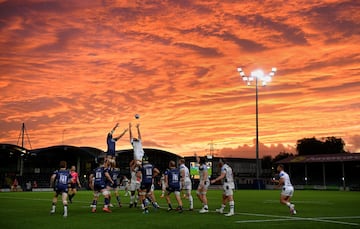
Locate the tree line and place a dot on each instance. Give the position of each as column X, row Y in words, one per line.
column 311, row 146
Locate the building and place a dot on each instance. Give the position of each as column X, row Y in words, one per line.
column 38, row 164
column 324, row 171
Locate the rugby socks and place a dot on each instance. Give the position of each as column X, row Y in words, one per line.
column 132, row 197
column 107, row 202
column 94, row 203
column 71, row 196
column 191, row 200
column 118, row 199
column 65, row 210
column 206, row 207
column 288, row 204
column 232, row 206
column 136, row 200
column 53, row 207
column 155, row 204
column 144, row 204
column 149, row 199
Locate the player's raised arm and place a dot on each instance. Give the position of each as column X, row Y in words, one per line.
column 114, row 128
column 138, row 130
column 122, row 134
column 130, row 132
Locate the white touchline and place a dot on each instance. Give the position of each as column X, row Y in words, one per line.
column 332, row 221
column 339, row 217
column 265, row 215
column 264, row 220
column 301, row 202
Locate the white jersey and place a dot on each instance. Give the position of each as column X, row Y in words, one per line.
column 203, row 172
column 286, row 178
column 229, row 178
column 138, row 149
column 186, row 177
column 185, row 181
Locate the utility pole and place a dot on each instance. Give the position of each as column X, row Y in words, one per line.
column 22, row 134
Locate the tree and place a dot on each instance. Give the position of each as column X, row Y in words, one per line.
column 282, row 155
column 334, row 145
column 310, row 146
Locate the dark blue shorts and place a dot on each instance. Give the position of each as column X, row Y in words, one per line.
column 99, row 187
column 146, row 186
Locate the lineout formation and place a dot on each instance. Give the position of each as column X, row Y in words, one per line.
column 176, row 179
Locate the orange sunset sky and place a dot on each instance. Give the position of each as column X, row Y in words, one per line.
column 70, row 70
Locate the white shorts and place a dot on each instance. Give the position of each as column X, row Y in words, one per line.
column 287, row 191
column 134, row 186
column 138, row 155
column 205, row 187
column 186, row 185
column 229, row 189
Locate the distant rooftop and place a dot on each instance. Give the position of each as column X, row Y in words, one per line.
column 321, row 158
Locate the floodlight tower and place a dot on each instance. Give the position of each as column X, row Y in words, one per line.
column 257, row 75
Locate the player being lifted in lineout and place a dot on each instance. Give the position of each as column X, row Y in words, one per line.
column 137, row 145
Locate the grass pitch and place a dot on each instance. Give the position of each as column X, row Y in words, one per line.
column 253, row 209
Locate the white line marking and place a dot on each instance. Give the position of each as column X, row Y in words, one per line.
column 332, row 221
column 339, row 217
column 300, row 202
column 287, row 218
column 264, row 220
column 264, row 215
column 298, row 219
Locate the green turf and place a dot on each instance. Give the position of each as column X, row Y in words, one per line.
column 342, row 209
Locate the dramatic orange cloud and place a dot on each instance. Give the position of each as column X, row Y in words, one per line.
column 70, row 70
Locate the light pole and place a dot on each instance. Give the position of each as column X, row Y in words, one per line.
column 257, row 75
